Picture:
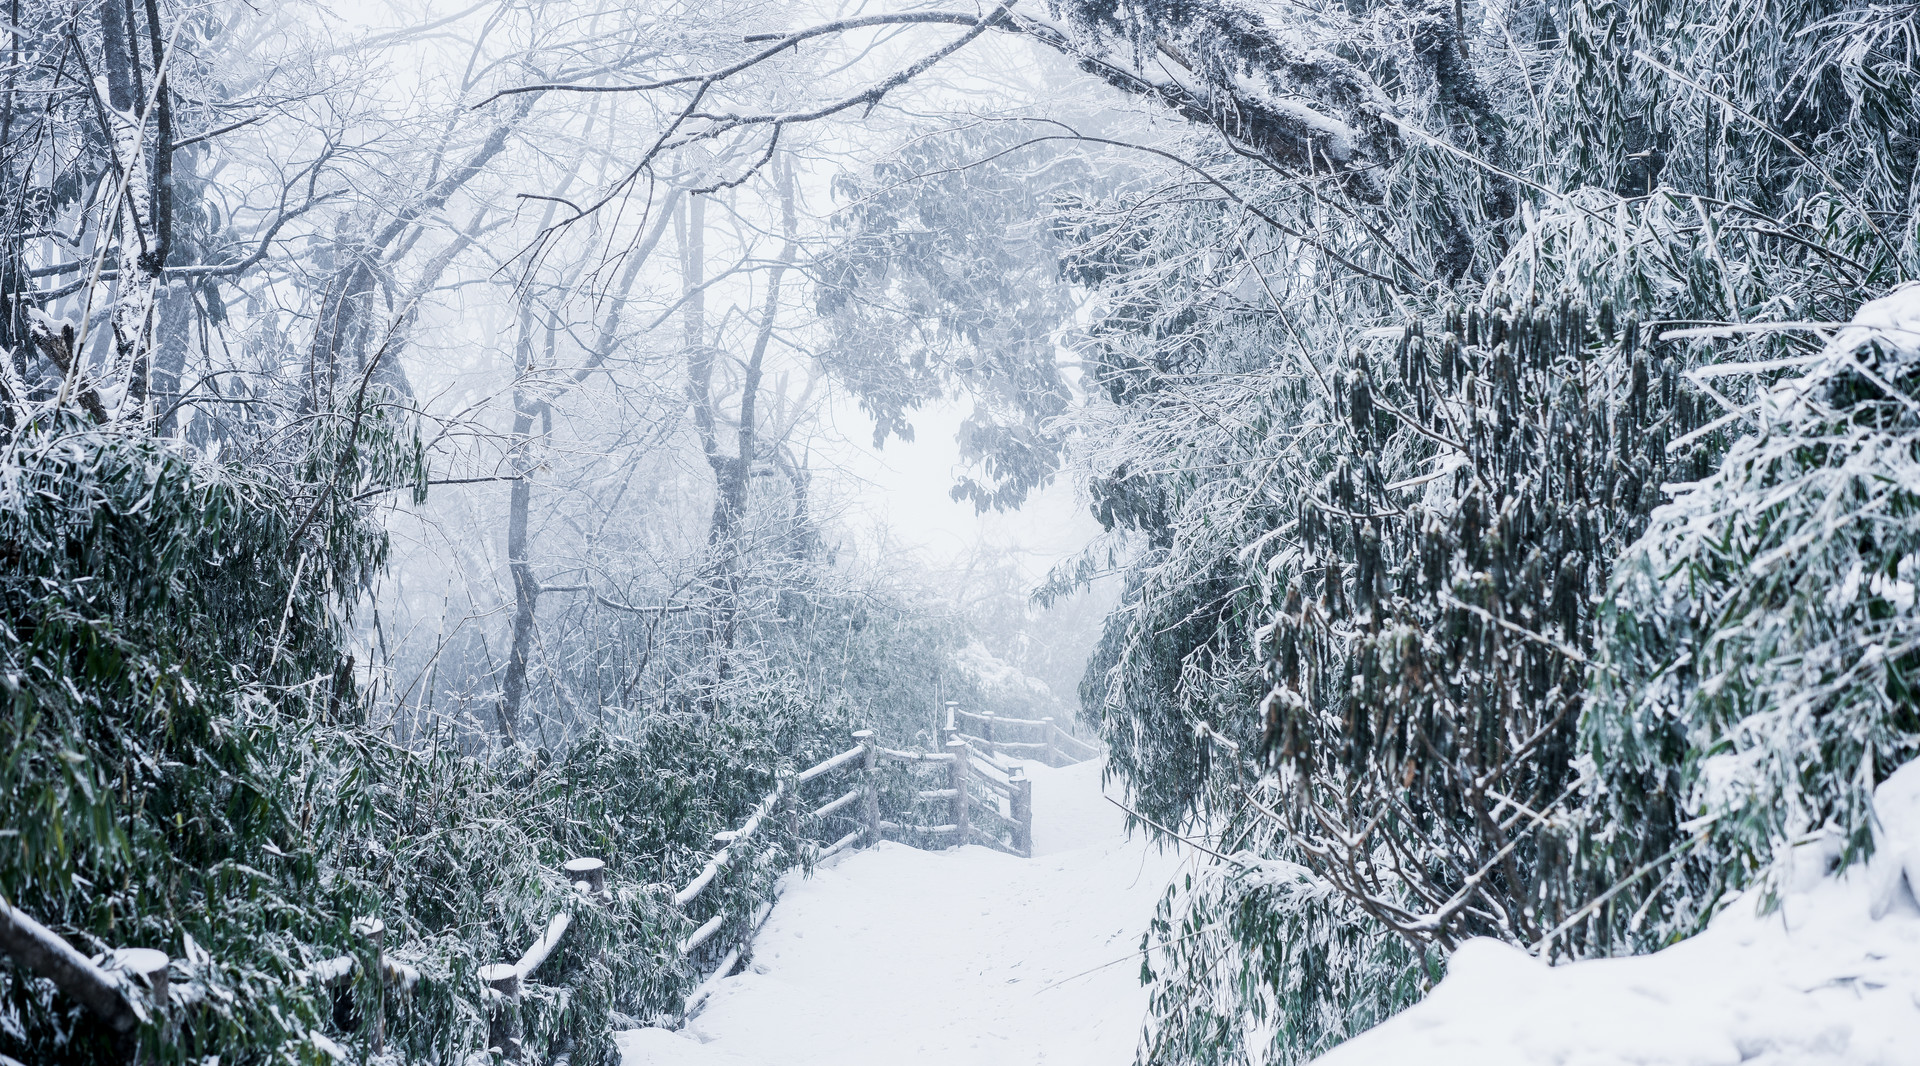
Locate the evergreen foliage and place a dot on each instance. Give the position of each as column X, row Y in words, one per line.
column 944, row 274
column 1760, row 644
column 171, row 649
column 1377, row 468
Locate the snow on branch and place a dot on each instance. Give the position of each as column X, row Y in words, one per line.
column 1297, row 109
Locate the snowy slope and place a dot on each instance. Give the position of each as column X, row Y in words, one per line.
column 950, row 958
column 1820, row 981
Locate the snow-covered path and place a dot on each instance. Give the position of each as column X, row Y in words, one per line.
column 949, row 958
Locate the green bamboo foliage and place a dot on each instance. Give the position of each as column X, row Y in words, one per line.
column 185, row 767
column 1759, row 643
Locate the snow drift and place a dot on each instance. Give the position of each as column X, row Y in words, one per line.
column 1830, row 976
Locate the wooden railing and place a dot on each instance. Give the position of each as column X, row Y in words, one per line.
column 123, row 990
column 1039, row 739
column 985, row 797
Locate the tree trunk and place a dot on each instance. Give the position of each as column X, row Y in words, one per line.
column 172, row 337
column 526, row 408
column 116, row 54
column 732, row 473
column 526, row 589
column 693, row 323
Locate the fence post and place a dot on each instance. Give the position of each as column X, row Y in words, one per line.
column 374, row 931
column 593, row 872
column 958, row 778
column 1046, row 732
column 147, row 966
column 986, row 733
column 952, row 728
column 790, row 806
column 870, row 800
column 503, row 1020
column 1021, row 801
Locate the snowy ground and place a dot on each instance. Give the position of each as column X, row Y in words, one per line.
column 949, row 958
column 1820, row 981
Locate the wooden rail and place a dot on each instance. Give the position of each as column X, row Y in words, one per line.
column 1041, row 738
column 973, row 779
column 124, row 993
column 986, row 798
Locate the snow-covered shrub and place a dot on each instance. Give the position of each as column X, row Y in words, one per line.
column 1415, row 545
column 1427, row 648
column 1403, row 628
column 1762, row 641
column 171, row 646
column 184, row 766
column 460, row 855
column 1258, row 958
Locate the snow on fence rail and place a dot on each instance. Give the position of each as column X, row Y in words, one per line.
column 973, row 779
column 1041, row 737
column 123, row 990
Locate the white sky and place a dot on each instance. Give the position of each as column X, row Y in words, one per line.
column 904, row 488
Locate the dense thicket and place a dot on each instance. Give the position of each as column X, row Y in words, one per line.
column 1382, row 465
column 169, row 654
column 188, row 766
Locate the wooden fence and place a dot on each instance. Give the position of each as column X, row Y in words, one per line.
column 984, row 796
column 1038, row 739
